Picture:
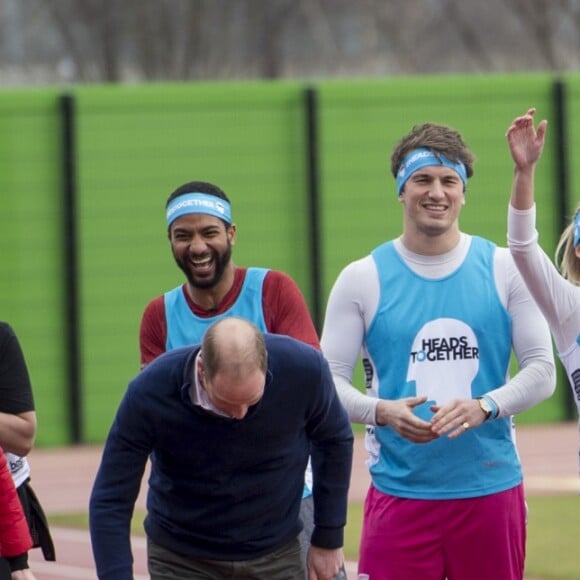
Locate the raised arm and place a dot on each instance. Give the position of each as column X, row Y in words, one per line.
column 526, row 145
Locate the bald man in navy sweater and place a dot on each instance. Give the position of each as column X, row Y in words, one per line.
column 229, row 426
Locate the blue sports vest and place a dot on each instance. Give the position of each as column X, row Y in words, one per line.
column 185, row 328
column 445, row 338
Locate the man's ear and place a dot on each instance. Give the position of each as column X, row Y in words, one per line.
column 231, row 231
column 200, row 368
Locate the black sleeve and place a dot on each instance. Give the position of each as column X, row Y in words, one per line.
column 15, row 388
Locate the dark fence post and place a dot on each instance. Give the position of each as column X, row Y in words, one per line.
column 562, row 167
column 312, row 164
column 562, row 195
column 71, row 274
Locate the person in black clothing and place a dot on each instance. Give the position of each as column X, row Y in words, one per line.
column 17, row 433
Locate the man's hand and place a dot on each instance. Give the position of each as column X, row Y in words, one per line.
column 456, row 417
column 25, row 574
column 324, row 564
column 399, row 415
column 526, row 144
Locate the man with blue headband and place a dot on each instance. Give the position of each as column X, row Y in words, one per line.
column 436, row 314
column 202, row 233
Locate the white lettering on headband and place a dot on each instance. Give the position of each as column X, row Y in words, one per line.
column 424, row 157
column 198, row 203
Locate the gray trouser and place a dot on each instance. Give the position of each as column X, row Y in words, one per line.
column 282, row 564
column 307, row 516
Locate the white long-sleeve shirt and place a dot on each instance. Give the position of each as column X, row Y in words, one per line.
column 352, row 305
column 557, row 298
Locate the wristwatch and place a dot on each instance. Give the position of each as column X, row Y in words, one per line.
column 485, row 407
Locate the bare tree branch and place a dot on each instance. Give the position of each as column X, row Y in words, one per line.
column 119, row 40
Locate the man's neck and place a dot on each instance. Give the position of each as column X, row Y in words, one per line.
column 426, row 245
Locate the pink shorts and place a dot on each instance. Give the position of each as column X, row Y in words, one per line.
column 481, row 538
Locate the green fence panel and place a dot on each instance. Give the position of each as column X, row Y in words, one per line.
column 572, row 83
column 572, row 119
column 31, row 291
column 136, row 145
column 362, row 121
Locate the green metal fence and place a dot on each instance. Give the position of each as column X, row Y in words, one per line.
column 130, row 146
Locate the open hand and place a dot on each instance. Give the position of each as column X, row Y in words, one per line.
column 526, row 143
column 399, row 416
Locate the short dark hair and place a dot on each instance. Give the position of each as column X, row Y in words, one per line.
column 439, row 139
column 198, row 187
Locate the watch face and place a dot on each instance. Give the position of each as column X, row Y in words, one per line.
column 485, row 406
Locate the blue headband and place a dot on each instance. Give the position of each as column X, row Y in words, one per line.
column 198, row 203
column 577, row 228
column 424, row 157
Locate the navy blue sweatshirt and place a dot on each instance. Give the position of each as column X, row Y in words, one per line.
column 220, row 488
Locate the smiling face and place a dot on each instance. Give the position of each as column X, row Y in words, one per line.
column 432, row 199
column 202, row 247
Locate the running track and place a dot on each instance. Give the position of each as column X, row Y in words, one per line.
column 62, row 479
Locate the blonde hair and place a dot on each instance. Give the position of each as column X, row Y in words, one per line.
column 565, row 257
